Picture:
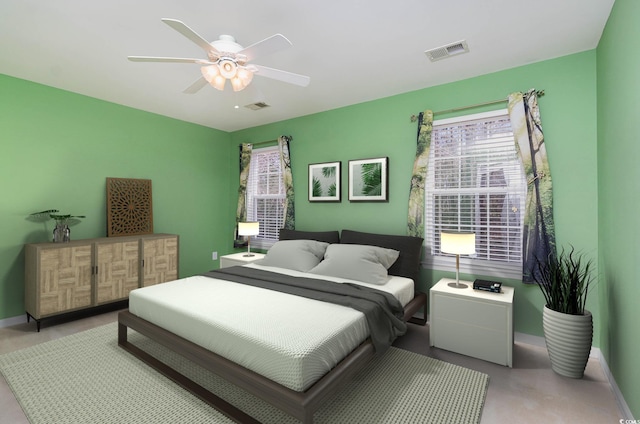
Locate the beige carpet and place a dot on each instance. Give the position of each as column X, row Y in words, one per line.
column 87, row 378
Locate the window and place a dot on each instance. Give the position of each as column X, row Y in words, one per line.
column 476, row 183
column 265, row 195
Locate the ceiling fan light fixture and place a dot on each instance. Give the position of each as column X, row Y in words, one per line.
column 241, row 80
column 237, row 84
column 209, row 72
column 245, row 75
column 212, row 74
column 228, row 68
column 218, row 82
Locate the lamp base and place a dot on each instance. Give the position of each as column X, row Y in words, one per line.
column 246, row 255
column 457, row 285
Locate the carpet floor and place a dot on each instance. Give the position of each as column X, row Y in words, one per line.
column 87, row 378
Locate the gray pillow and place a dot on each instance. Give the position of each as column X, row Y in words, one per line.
column 299, row 255
column 368, row 264
column 408, row 263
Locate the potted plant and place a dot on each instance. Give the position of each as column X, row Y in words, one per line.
column 568, row 327
column 61, row 232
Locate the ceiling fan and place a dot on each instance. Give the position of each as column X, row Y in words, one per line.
column 228, row 60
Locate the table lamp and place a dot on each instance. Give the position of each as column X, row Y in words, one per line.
column 458, row 243
column 248, row 229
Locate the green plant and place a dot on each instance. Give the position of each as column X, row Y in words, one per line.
column 371, row 174
column 53, row 214
column 317, row 187
column 564, row 281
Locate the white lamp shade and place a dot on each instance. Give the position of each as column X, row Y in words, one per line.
column 248, row 228
column 458, row 243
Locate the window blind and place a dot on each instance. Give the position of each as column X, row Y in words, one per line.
column 265, row 195
column 476, row 183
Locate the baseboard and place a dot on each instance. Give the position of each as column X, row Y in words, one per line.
column 529, row 339
column 595, row 353
column 622, row 404
column 539, row 341
column 8, row 322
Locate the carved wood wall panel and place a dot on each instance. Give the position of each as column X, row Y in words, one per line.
column 129, row 207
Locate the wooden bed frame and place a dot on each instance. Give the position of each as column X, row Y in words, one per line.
column 301, row 405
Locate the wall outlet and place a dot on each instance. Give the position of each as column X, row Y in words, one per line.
column 214, row 256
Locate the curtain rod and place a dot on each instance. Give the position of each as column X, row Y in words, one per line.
column 265, row 142
column 414, row 118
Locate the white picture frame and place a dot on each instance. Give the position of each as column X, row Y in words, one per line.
column 325, row 182
column 368, row 180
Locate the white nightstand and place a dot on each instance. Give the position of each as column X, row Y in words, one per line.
column 472, row 322
column 239, row 259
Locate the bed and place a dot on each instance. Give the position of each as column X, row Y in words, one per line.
column 262, row 327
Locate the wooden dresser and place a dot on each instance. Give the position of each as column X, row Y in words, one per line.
column 65, row 277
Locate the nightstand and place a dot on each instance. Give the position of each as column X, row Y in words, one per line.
column 239, row 259
column 472, row 322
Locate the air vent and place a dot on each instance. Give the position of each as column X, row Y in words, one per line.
column 449, row 50
column 257, row 106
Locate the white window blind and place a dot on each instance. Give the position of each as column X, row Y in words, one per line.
column 476, row 183
column 265, row 196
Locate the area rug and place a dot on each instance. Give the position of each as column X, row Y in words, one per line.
column 87, row 378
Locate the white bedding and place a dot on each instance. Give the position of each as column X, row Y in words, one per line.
column 291, row 340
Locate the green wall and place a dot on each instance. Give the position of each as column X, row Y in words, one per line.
column 62, row 146
column 58, row 148
column 619, row 174
column 383, row 128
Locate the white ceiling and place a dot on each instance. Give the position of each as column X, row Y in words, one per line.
column 353, row 50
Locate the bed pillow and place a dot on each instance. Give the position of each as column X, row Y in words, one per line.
column 408, row 263
column 324, row 236
column 368, row 264
column 299, row 255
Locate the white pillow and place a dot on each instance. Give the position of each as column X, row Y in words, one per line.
column 299, row 255
column 358, row 262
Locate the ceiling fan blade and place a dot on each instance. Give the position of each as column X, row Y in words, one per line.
column 165, row 59
column 196, row 86
column 183, row 29
column 284, row 76
column 266, row 47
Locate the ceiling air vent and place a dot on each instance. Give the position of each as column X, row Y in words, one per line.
column 449, row 50
column 257, row 106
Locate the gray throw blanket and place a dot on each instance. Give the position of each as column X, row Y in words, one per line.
column 383, row 311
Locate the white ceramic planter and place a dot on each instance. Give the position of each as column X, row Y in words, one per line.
column 568, row 339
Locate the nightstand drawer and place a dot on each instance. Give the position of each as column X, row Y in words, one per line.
column 469, row 311
column 468, row 339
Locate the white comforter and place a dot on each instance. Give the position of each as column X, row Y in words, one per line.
column 291, row 340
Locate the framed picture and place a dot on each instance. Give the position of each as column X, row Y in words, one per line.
column 368, row 180
column 324, row 182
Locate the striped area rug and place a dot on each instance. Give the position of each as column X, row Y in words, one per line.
column 86, row 378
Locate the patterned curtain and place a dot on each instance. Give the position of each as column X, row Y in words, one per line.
column 287, row 176
column 245, row 162
column 415, row 221
column 539, row 232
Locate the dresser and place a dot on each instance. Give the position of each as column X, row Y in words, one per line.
column 472, row 322
column 81, row 274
